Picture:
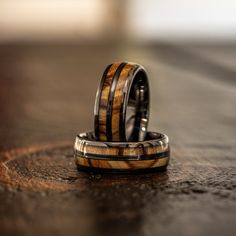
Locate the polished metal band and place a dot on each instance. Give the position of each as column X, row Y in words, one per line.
column 122, row 103
column 152, row 153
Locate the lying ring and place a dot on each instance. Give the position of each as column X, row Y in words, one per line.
column 151, row 154
column 122, row 103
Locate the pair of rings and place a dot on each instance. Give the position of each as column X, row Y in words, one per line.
column 120, row 141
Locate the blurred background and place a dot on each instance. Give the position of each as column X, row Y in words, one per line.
column 134, row 20
column 53, row 53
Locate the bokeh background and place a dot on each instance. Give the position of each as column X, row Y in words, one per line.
column 103, row 20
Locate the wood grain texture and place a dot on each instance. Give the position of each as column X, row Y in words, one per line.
column 112, row 100
column 122, row 165
column 154, row 144
column 152, row 153
column 46, row 98
column 122, row 151
column 117, row 102
column 103, row 101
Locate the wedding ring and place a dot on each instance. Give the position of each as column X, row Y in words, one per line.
column 151, row 154
column 122, row 103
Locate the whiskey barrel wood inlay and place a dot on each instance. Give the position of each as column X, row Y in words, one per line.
column 103, row 100
column 117, row 102
column 119, row 81
column 122, row 165
column 153, row 152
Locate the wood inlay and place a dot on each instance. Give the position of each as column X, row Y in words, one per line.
column 121, row 165
column 153, row 152
column 110, row 108
column 154, row 144
column 117, row 102
column 122, row 151
column 102, row 116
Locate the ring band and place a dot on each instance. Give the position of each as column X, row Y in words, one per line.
column 122, row 103
column 152, row 153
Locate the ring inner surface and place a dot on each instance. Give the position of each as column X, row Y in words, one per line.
column 137, row 109
column 90, row 136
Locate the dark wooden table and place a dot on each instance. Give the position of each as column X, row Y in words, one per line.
column 47, row 95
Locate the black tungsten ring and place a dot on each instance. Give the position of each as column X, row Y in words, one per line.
column 122, row 103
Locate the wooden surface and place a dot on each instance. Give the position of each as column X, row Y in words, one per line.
column 47, row 95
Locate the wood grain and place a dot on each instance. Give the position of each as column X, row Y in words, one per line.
column 117, row 102
column 103, row 102
column 153, row 152
column 122, row 165
column 110, row 105
column 154, row 144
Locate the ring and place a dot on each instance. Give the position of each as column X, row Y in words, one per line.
column 151, row 154
column 121, row 108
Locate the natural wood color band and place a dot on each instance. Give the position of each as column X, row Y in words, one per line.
column 121, row 151
column 117, row 102
column 121, row 165
column 102, row 116
column 153, row 152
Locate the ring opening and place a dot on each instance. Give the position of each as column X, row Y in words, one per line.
column 137, row 110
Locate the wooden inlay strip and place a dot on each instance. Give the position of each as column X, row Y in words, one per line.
column 102, row 115
column 122, row 151
column 117, row 102
column 122, row 155
column 122, row 165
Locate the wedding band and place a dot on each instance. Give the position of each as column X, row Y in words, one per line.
column 151, row 154
column 122, row 103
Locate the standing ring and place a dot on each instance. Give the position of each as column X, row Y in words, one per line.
column 122, row 103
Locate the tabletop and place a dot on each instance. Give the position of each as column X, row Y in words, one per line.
column 47, row 95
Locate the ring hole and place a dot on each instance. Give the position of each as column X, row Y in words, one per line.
column 137, row 109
